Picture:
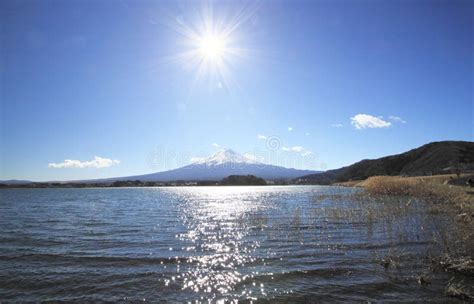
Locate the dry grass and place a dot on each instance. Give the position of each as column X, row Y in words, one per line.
column 455, row 202
column 463, row 265
column 431, row 202
column 431, row 189
column 458, row 290
column 434, row 179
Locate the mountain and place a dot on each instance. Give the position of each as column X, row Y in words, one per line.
column 15, row 182
column 218, row 166
column 432, row 158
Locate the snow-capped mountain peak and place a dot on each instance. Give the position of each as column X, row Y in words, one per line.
column 225, row 156
column 221, row 164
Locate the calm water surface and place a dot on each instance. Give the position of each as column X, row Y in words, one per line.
column 275, row 244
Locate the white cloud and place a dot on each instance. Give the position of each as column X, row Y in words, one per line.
column 260, row 136
column 293, row 149
column 363, row 121
column 336, row 125
column 397, row 119
column 297, row 149
column 290, row 129
column 307, row 134
column 215, row 145
column 97, row 162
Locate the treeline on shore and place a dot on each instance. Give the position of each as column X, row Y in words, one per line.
column 232, row 180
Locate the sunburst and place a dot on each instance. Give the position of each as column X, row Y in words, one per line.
column 212, row 47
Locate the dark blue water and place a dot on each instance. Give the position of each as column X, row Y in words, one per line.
column 181, row 244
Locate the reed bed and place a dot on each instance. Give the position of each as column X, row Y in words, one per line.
column 448, row 209
column 428, row 189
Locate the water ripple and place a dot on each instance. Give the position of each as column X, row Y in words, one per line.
column 270, row 244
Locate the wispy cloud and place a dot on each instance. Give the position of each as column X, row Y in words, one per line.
column 97, row 162
column 396, row 119
column 215, row 145
column 293, row 149
column 260, row 136
column 336, row 125
column 307, row 134
column 290, row 129
column 297, row 149
column 364, row 121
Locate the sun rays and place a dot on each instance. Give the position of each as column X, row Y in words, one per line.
column 212, row 47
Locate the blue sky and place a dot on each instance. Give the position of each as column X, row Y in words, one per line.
column 324, row 83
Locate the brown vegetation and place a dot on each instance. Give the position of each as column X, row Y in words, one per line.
column 449, row 208
column 430, row 189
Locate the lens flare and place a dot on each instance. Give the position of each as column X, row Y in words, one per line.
column 212, row 46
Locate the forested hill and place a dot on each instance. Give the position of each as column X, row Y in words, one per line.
column 433, row 158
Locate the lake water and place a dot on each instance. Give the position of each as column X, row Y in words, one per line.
column 179, row 244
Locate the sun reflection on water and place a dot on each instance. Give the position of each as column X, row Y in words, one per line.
column 222, row 244
column 216, row 224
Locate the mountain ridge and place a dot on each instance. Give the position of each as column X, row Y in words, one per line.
column 431, row 158
column 15, row 182
column 219, row 165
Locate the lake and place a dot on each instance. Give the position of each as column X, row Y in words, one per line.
column 180, row 244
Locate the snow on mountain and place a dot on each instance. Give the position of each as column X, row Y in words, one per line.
column 223, row 163
column 224, row 156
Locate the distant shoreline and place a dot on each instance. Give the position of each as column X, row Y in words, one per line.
column 445, row 179
column 232, row 180
column 162, row 186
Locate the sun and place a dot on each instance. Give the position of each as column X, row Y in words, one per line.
column 212, row 47
column 212, row 44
